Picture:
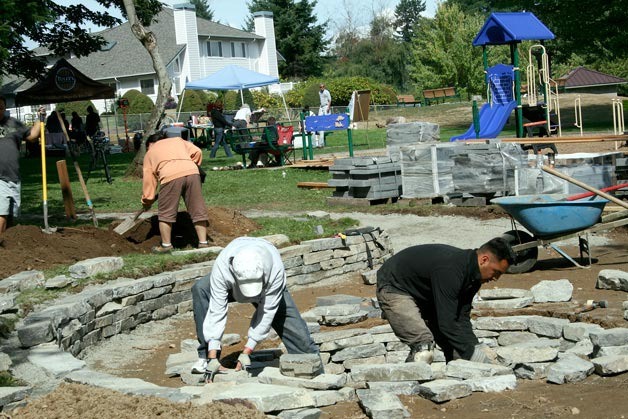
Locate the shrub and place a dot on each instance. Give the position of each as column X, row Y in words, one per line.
column 194, row 101
column 138, row 102
column 341, row 89
column 267, row 100
column 232, row 100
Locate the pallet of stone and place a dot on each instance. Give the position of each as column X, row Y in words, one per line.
column 374, row 178
column 400, row 135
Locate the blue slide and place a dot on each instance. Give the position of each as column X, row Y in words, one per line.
column 492, row 121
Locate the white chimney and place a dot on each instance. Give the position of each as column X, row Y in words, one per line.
column 264, row 26
column 187, row 33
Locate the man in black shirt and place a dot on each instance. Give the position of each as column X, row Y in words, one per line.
column 426, row 292
column 12, row 132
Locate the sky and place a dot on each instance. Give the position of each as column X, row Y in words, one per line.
column 234, row 12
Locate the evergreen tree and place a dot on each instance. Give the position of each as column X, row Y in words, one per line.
column 202, row 9
column 299, row 39
column 407, row 16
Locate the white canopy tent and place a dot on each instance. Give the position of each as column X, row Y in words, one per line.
column 232, row 77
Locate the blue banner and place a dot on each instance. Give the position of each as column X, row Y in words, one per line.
column 333, row 122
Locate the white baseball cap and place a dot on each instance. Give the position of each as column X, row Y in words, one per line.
column 247, row 267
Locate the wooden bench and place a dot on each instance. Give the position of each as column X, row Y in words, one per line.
column 404, row 100
column 244, row 141
column 440, row 94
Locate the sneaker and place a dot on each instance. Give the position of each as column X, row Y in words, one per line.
column 203, row 245
column 199, row 366
column 421, row 352
column 159, row 250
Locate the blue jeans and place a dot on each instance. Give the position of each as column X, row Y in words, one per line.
column 288, row 322
column 219, row 133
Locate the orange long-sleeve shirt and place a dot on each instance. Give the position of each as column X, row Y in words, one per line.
column 166, row 160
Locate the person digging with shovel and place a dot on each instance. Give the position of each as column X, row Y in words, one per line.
column 12, row 132
column 247, row 270
column 174, row 164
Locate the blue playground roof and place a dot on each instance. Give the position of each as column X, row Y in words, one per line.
column 511, row 27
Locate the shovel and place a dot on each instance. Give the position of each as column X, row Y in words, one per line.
column 129, row 223
column 42, row 139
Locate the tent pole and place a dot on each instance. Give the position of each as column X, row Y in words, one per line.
column 285, row 105
column 180, row 104
column 242, row 96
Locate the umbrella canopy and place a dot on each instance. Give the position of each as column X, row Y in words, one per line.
column 64, row 83
column 232, row 77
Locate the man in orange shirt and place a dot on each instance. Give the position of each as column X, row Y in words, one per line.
column 173, row 163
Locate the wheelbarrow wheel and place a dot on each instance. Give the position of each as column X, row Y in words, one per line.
column 526, row 259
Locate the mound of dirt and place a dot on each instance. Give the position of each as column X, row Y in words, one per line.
column 26, row 247
column 75, row 401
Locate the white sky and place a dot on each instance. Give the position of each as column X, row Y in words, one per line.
column 234, row 12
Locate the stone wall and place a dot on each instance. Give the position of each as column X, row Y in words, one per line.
column 78, row 321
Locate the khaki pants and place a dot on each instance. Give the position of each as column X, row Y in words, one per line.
column 404, row 317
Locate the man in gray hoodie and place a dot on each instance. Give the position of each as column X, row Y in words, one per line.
column 250, row 270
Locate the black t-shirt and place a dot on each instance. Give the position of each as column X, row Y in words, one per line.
column 12, row 132
column 442, row 280
column 91, row 123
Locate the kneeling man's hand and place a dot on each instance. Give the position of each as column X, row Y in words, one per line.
column 244, row 362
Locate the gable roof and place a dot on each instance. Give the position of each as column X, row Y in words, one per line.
column 583, row 77
column 509, row 27
column 125, row 56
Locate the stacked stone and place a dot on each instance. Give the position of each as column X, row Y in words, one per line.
column 78, row 321
column 365, row 177
column 431, row 170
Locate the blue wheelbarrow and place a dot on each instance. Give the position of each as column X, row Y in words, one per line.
column 551, row 218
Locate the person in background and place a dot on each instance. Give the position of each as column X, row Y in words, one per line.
column 220, row 123
column 12, row 133
column 256, row 153
column 241, row 122
column 426, row 292
column 324, row 109
column 247, row 270
column 92, row 122
column 173, row 163
column 54, row 135
column 77, row 131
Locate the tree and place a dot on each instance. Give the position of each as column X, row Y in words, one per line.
column 407, row 16
column 442, row 54
column 202, row 9
column 595, row 30
column 299, row 40
column 378, row 55
column 49, row 24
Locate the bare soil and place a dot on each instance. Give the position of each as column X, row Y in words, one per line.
column 26, row 247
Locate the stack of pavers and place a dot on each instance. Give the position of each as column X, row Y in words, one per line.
column 370, row 178
column 621, row 170
column 432, row 170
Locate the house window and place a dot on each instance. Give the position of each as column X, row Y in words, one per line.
column 214, row 49
column 238, row 49
column 177, row 66
column 147, row 86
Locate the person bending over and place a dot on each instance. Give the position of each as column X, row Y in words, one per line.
column 426, row 292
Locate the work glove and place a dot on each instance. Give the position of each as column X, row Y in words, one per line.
column 244, row 361
column 483, row 354
column 213, row 365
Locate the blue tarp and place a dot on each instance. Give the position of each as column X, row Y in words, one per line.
column 510, row 27
column 332, row 122
column 232, row 77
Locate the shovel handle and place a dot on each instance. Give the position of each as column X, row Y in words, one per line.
column 587, row 194
column 584, row 186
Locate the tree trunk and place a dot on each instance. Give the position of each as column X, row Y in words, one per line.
column 149, row 41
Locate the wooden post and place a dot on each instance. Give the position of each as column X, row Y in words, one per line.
column 66, row 190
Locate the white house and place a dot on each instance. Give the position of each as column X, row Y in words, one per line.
column 191, row 48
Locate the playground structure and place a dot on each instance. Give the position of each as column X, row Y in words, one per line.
column 542, row 105
column 503, row 81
